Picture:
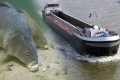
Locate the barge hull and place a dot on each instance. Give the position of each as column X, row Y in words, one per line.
column 81, row 46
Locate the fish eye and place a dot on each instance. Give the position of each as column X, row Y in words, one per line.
column 4, row 5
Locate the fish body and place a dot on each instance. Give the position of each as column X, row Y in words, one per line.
column 16, row 37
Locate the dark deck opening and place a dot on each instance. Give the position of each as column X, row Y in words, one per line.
column 72, row 20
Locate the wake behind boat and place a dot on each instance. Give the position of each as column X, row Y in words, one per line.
column 86, row 39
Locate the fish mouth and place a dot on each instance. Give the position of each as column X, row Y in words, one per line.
column 33, row 68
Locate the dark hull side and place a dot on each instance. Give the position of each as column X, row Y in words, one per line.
column 83, row 47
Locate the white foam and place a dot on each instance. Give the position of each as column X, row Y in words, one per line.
column 104, row 59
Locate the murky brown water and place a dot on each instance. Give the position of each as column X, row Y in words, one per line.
column 105, row 13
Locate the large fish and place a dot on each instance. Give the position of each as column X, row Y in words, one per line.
column 16, row 36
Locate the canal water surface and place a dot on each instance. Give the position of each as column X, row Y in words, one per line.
column 103, row 13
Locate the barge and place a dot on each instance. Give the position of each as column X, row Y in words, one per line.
column 86, row 39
